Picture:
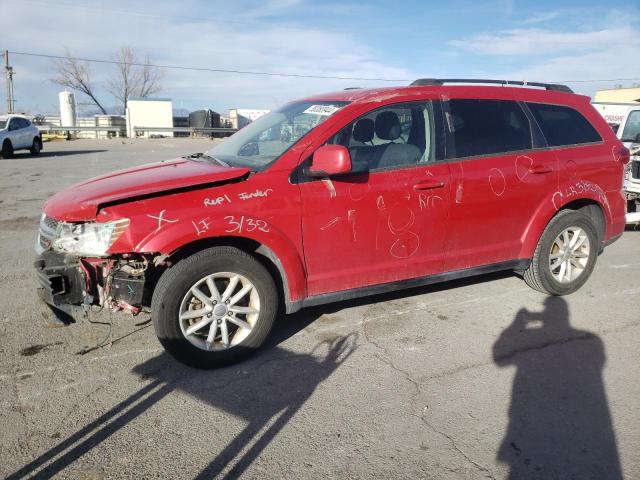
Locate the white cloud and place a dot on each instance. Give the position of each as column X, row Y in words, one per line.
column 246, row 44
column 541, row 18
column 606, row 52
column 535, row 41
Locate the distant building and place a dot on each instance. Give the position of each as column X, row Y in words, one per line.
column 149, row 113
column 618, row 95
column 240, row 117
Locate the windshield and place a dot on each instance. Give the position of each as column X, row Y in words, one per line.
column 3, row 123
column 631, row 132
column 260, row 143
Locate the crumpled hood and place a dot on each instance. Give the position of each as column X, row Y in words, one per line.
column 83, row 200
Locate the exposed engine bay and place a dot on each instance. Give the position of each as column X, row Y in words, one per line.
column 74, row 285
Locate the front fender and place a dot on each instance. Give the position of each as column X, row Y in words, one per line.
column 172, row 236
column 567, row 193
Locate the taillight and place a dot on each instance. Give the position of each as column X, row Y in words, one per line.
column 623, row 155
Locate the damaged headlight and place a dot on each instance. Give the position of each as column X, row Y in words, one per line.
column 88, row 239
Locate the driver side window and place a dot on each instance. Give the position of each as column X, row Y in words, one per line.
column 396, row 136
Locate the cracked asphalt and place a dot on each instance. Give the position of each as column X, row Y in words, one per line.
column 482, row 378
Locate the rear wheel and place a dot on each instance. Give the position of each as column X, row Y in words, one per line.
column 214, row 308
column 7, row 149
column 36, row 146
column 565, row 256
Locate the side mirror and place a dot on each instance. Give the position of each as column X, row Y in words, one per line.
column 329, row 160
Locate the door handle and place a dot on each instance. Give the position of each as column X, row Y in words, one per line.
column 428, row 185
column 539, row 169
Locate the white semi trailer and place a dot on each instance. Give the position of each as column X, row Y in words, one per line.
column 613, row 113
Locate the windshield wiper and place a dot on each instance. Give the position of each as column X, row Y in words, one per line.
column 207, row 157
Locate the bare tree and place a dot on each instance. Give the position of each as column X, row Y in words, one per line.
column 75, row 74
column 133, row 78
column 130, row 79
column 150, row 78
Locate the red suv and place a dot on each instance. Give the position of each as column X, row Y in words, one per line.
column 338, row 196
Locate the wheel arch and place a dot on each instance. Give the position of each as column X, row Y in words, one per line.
column 287, row 278
column 592, row 209
column 590, row 206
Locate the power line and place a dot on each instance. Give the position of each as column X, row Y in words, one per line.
column 273, row 74
column 208, row 69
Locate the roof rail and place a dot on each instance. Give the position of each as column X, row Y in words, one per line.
column 441, row 81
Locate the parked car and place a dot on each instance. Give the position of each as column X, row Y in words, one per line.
column 387, row 189
column 18, row 133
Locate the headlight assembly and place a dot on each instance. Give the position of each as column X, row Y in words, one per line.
column 88, row 239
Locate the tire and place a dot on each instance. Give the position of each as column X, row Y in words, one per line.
column 173, row 300
column 36, row 146
column 7, row 149
column 540, row 275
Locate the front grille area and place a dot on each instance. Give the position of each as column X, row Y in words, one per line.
column 47, row 232
column 49, row 222
column 635, row 169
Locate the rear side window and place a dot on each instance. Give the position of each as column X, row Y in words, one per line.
column 563, row 125
column 486, row 127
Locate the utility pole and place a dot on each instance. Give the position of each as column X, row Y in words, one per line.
column 9, row 79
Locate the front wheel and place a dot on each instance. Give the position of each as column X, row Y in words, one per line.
column 214, row 308
column 565, row 256
column 7, row 149
column 36, row 146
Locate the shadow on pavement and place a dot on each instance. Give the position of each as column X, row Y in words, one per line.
column 282, row 383
column 270, row 398
column 49, row 153
column 559, row 421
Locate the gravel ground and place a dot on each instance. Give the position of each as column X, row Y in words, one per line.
column 477, row 379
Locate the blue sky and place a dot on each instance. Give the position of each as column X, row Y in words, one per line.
column 535, row 41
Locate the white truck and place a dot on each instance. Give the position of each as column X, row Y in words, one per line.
column 613, row 113
column 629, row 134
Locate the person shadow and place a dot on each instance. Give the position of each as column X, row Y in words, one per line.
column 559, row 421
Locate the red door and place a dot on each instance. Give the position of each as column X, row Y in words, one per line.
column 495, row 195
column 372, row 229
column 382, row 226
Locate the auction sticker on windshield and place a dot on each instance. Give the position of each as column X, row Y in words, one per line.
column 325, row 110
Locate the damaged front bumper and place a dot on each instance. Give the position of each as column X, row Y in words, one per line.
column 62, row 282
column 70, row 285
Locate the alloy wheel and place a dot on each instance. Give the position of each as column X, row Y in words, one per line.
column 219, row 311
column 569, row 254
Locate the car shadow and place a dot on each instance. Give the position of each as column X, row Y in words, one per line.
column 49, row 153
column 559, row 420
column 276, row 384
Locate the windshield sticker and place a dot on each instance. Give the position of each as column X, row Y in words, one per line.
column 324, row 110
